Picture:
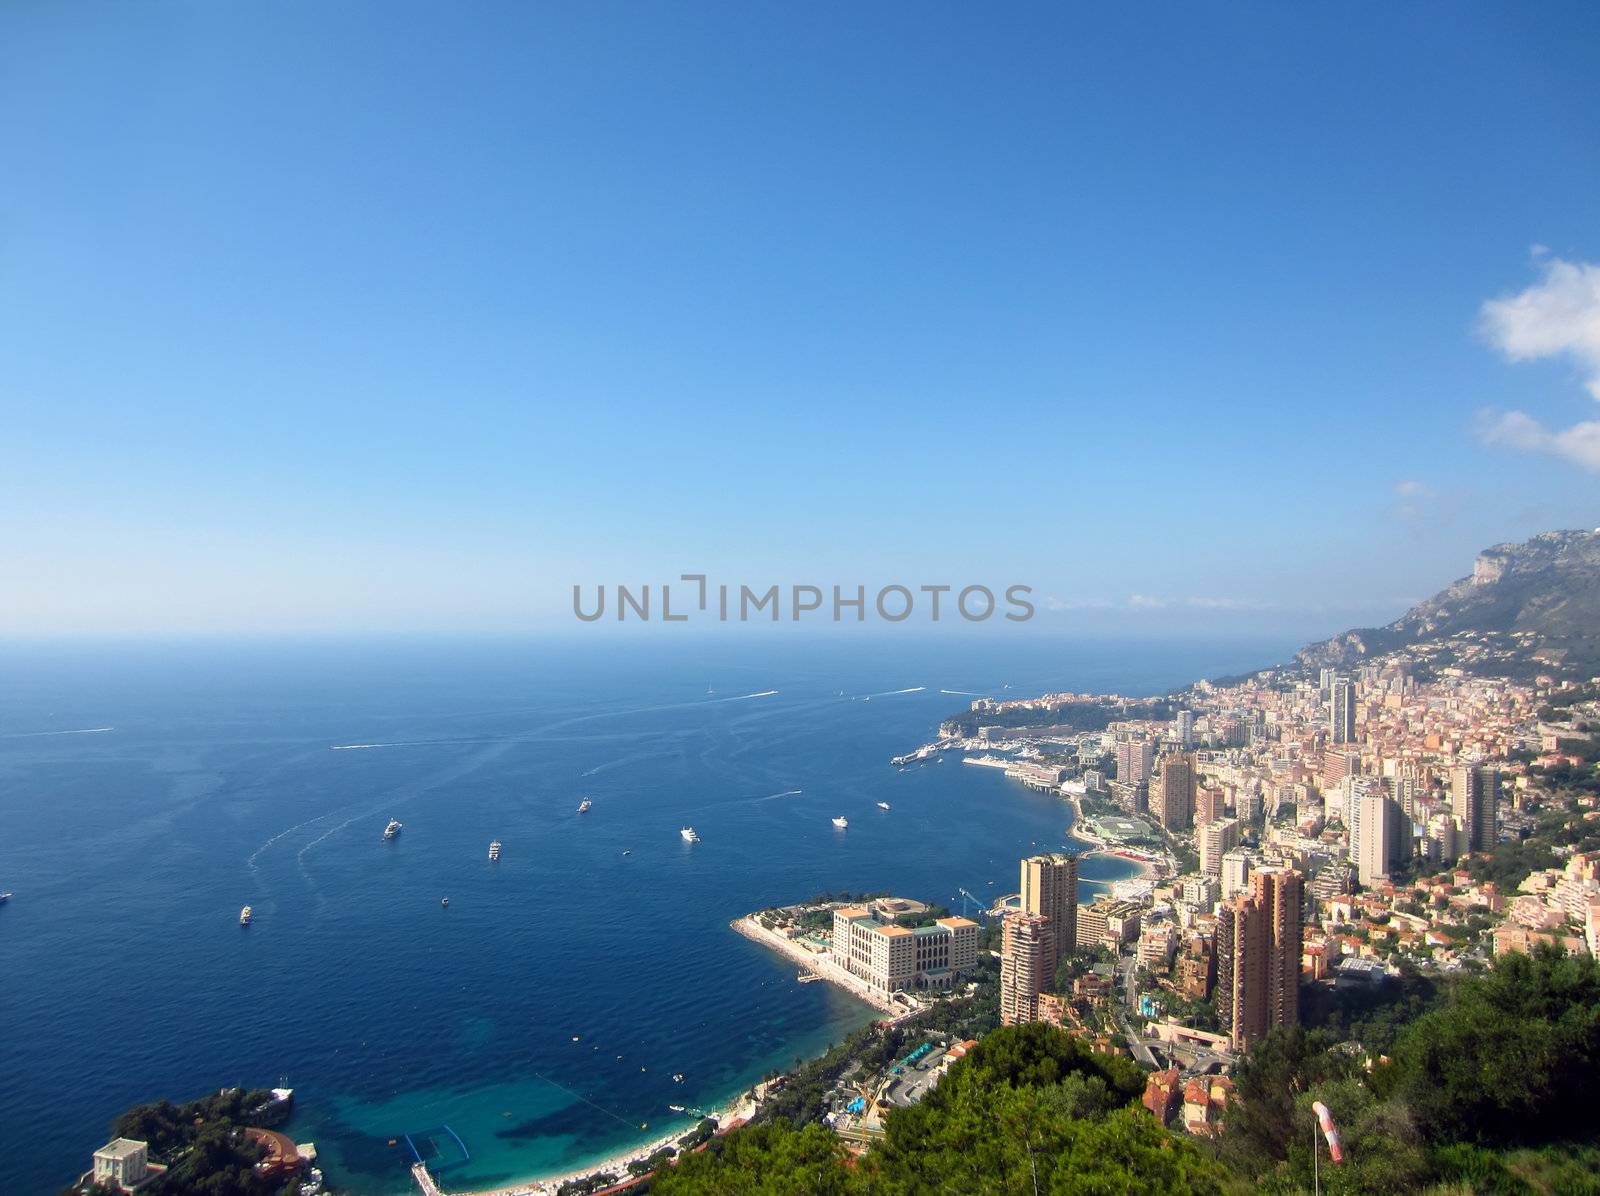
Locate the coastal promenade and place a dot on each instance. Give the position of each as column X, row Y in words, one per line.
column 822, row 966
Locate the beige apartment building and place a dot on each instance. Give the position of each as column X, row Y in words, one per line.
column 869, row 943
column 1050, row 890
column 1172, row 798
column 1027, row 966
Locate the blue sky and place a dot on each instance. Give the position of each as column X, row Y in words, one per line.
column 390, row 316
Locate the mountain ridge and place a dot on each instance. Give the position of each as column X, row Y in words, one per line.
column 1529, row 607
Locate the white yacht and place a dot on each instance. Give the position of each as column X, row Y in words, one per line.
column 841, row 822
column 392, row 829
column 688, row 835
column 585, row 806
column 494, row 850
column 244, row 915
column 883, row 805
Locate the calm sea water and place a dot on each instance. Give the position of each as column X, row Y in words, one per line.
column 147, row 792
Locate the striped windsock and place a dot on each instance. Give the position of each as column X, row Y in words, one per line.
column 1329, row 1131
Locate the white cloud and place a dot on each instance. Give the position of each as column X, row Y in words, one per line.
column 1240, row 604
column 1155, row 602
column 1579, row 444
column 1559, row 316
column 1413, row 489
column 1054, row 603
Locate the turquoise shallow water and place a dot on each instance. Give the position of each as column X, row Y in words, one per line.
column 264, row 773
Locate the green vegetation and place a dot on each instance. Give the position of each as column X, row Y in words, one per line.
column 1511, row 862
column 1191, row 1011
column 201, row 1144
column 1030, row 1110
column 1371, row 1015
column 1080, row 963
column 1486, row 1089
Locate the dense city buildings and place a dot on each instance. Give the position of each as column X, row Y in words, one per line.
column 1050, row 889
column 1298, row 832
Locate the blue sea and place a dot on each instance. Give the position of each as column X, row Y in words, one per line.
column 148, row 791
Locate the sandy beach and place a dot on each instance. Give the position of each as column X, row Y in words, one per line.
column 824, row 967
column 738, row 1110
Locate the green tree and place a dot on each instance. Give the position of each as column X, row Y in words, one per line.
column 1513, row 1058
column 763, row 1160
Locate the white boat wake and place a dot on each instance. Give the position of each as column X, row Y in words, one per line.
column 251, row 862
column 300, row 855
column 362, row 747
column 785, row 793
column 961, row 693
column 42, row 734
column 766, row 693
column 915, row 689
